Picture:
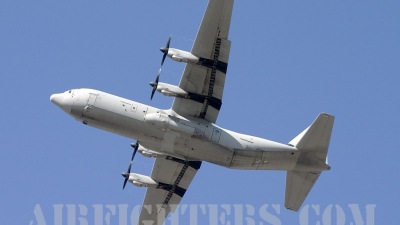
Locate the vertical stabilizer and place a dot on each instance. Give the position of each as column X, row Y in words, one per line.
column 313, row 144
column 315, row 138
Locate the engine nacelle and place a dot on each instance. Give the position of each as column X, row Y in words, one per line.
column 140, row 180
column 171, row 90
column 147, row 153
column 139, row 184
column 164, row 121
column 182, row 56
column 168, row 93
column 178, row 58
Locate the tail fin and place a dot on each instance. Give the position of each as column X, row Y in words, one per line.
column 313, row 144
column 315, row 139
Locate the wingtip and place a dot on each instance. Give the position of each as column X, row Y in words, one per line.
column 324, row 114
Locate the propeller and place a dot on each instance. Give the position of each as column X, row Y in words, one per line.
column 165, row 50
column 155, row 83
column 135, row 146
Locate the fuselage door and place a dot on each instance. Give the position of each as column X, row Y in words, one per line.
column 216, row 135
column 92, row 99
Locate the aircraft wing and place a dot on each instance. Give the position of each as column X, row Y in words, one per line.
column 205, row 81
column 174, row 177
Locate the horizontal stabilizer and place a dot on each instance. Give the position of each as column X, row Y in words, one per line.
column 298, row 185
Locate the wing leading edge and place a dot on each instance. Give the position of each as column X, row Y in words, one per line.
column 205, row 81
column 174, row 177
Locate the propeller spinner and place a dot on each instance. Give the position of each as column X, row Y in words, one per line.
column 126, row 174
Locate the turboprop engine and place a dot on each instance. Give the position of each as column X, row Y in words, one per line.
column 140, row 180
column 171, row 90
column 182, row 56
column 177, row 54
column 148, row 153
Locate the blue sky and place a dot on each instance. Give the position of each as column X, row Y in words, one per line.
column 290, row 60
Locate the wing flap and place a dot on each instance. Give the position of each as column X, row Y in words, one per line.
column 224, row 50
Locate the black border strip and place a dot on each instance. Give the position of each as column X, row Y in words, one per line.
column 176, row 183
column 209, row 63
column 212, row 78
column 194, row 164
column 213, row 101
column 169, row 187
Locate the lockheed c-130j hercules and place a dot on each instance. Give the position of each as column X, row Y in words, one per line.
column 182, row 137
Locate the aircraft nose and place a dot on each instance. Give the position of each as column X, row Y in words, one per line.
column 57, row 99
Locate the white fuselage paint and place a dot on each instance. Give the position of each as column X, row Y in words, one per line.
column 185, row 137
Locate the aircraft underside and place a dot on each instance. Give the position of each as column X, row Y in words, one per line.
column 187, row 147
column 183, row 136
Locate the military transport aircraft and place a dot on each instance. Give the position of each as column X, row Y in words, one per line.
column 182, row 137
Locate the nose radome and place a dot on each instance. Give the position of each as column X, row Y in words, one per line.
column 57, row 99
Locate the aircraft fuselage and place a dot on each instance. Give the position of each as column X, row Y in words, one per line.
column 166, row 132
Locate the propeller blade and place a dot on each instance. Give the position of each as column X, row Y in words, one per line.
column 129, row 169
column 163, row 58
column 169, row 41
column 126, row 175
column 158, row 76
column 154, row 85
column 126, row 180
column 133, row 155
column 165, row 51
column 152, row 94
